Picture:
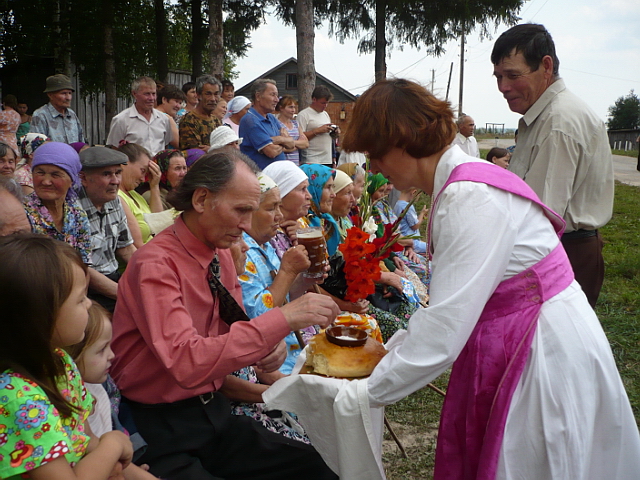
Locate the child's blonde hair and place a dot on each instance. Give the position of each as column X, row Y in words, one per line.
column 95, row 325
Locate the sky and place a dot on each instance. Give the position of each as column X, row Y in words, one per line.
column 597, row 43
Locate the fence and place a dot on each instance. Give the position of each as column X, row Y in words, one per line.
column 91, row 108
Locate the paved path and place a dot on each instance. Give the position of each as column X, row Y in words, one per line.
column 624, row 168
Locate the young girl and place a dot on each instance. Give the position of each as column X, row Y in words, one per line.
column 44, row 404
column 93, row 357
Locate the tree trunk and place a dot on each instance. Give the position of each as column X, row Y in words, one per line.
column 161, row 41
column 110, row 95
column 216, row 39
column 61, row 45
column 197, row 41
column 381, row 41
column 305, row 37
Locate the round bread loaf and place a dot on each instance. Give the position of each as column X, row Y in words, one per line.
column 332, row 360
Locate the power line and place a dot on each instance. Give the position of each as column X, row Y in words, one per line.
column 603, row 76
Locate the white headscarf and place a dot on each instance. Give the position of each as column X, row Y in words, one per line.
column 286, row 174
column 342, row 180
column 236, row 104
column 266, row 183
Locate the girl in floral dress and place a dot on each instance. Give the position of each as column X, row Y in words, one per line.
column 43, row 402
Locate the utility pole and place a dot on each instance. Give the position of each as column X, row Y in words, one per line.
column 461, row 73
column 433, row 79
column 449, row 81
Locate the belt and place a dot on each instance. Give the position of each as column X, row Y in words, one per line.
column 202, row 399
column 580, row 234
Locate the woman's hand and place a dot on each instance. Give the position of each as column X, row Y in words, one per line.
column 154, row 175
column 392, row 280
column 290, row 227
column 295, row 260
column 412, row 255
column 361, row 306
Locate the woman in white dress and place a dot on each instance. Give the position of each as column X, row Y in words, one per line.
column 534, row 390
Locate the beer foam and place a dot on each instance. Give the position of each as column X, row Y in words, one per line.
column 311, row 234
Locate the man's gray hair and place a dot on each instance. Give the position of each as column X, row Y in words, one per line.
column 260, row 86
column 213, row 171
column 461, row 119
column 11, row 186
column 203, row 80
column 138, row 82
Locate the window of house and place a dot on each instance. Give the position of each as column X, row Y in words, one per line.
column 291, row 81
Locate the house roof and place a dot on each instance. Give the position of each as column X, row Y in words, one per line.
column 294, row 60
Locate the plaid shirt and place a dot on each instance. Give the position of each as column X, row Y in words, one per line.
column 109, row 232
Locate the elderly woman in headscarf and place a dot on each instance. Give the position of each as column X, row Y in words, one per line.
column 321, row 187
column 268, row 279
column 28, row 144
column 296, row 201
column 236, row 109
column 53, row 208
column 173, row 168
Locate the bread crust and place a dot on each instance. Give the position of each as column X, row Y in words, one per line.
column 332, row 360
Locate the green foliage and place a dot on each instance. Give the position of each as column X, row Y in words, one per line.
column 415, row 22
column 29, row 30
column 625, row 113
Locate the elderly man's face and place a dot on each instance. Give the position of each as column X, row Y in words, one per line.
column 267, row 100
column 61, row 100
column 224, row 216
column 101, row 184
column 13, row 218
column 520, row 86
column 467, row 127
column 145, row 96
column 209, row 98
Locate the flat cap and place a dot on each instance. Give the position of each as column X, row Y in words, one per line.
column 93, row 157
column 58, row 82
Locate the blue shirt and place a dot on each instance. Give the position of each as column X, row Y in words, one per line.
column 256, row 132
column 409, row 220
column 58, row 127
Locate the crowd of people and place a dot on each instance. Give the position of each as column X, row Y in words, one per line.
column 158, row 288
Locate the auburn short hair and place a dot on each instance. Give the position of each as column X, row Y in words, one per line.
column 399, row 113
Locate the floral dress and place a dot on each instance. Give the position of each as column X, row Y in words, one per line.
column 32, row 432
column 75, row 229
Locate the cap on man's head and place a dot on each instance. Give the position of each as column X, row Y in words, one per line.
column 58, row 82
column 95, row 157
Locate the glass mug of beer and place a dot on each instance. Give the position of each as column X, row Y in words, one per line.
column 313, row 240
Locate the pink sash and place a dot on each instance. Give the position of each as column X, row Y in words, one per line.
column 486, row 373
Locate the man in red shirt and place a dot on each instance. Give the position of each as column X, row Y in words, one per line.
column 173, row 348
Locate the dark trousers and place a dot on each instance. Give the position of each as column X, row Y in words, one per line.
column 108, row 303
column 585, row 255
column 190, row 440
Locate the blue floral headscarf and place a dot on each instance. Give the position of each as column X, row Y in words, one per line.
column 318, row 175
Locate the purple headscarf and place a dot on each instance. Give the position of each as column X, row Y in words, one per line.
column 62, row 156
column 192, row 155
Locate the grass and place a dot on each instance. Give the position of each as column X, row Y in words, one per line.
column 415, row 418
column 626, row 153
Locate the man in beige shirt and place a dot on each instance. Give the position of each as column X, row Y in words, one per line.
column 563, row 151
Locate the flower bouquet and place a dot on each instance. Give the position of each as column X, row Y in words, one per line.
column 363, row 250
